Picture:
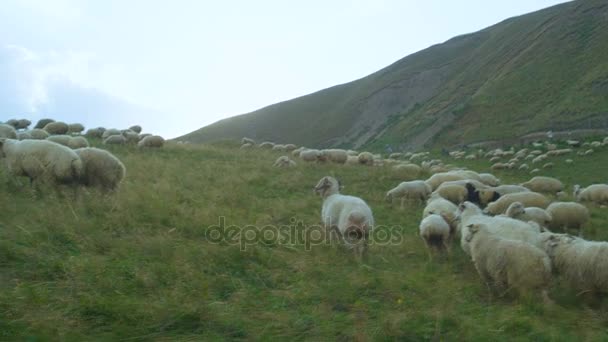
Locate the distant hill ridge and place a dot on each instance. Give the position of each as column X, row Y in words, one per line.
column 539, row 71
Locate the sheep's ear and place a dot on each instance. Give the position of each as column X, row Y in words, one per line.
column 462, row 206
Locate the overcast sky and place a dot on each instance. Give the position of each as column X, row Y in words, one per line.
column 175, row 66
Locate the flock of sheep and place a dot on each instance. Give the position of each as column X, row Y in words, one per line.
column 516, row 235
column 57, row 153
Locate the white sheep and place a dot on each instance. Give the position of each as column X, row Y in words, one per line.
column 335, row 155
column 528, row 199
column 489, row 179
column 136, row 128
column 39, row 134
column 519, row 212
column 350, row 216
column 151, row 141
column 366, row 158
column 132, row 137
column 504, row 264
column 284, row 162
column 56, row 127
column 597, row 193
column 7, row 131
column 502, row 226
column 100, row 168
column 60, row 139
column 439, row 205
column 95, row 132
column 78, row 142
column 568, row 215
column 352, row 160
column 43, row 122
column 487, row 195
column 417, row 189
column 436, row 233
column 41, row 161
column 115, row 140
column 583, row 264
column 544, row 184
column 452, row 192
column 408, row 171
column 310, row 155
column 24, row 135
column 266, row 145
column 437, row 179
column 110, row 132
column 75, row 128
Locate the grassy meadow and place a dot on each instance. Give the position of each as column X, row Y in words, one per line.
column 143, row 264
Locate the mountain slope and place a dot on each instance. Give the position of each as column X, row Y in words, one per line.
column 544, row 70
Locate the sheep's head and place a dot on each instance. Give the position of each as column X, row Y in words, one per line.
column 487, row 195
column 553, row 241
column 473, row 229
column 327, row 186
column 516, row 209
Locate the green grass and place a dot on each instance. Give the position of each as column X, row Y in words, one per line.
column 138, row 265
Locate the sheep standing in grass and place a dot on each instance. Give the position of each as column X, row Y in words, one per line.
column 284, row 162
column 350, row 216
column 100, row 168
column 56, row 127
column 42, row 123
column 109, row 132
column 408, row 171
column 366, row 158
column 95, row 132
column 597, row 193
column 75, row 128
column 452, row 192
column 505, row 264
column 152, row 141
column 436, row 233
column 39, row 134
column 418, row 190
column 335, row 155
column 544, row 185
column 135, row 128
column 568, row 215
column 310, row 155
column 60, row 139
column 583, row 264
column 115, row 140
column 519, row 212
column 448, row 210
column 78, row 142
column 7, row 131
column 41, row 161
column 489, row 179
column 132, row 137
column 528, row 199
column 24, row 135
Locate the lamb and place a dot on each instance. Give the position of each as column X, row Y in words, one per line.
column 502, row 226
column 528, row 199
column 436, row 233
column 101, row 168
column 137, row 129
column 544, row 185
column 597, row 193
column 43, row 122
column 448, row 210
column 350, row 216
column 489, row 179
column 115, row 140
column 335, row 155
column 75, row 128
column 517, row 211
column 7, row 131
column 284, row 161
column 151, row 141
column 409, row 190
column 41, row 161
column 366, row 158
column 452, row 192
column 56, row 127
column 568, row 215
column 39, row 134
column 504, row 264
column 583, row 264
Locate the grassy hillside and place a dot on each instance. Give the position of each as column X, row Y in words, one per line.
column 143, row 265
column 544, row 70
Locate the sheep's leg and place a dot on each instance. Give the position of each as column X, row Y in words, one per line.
column 402, row 203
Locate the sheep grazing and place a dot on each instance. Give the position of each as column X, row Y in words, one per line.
column 596, row 193
column 366, row 158
column 568, row 215
column 152, row 141
column 437, row 179
column 350, row 216
column 452, row 192
column 517, row 211
column 39, row 134
column 582, row 264
column 335, row 155
column 7, row 131
column 60, row 139
column 436, row 233
column 310, row 155
column 135, row 128
column 115, row 140
column 528, row 199
column 284, row 162
column 290, row 147
column 489, row 179
column 544, row 185
column 110, row 132
column 24, row 135
column 101, row 168
column 266, row 145
column 20, row 124
column 56, row 127
column 409, row 171
column 439, row 205
column 42, row 123
column 417, row 189
column 504, row 264
column 95, row 132
column 41, row 161
column 75, row 128
column 78, row 142
column 502, row 226
column 132, row 137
